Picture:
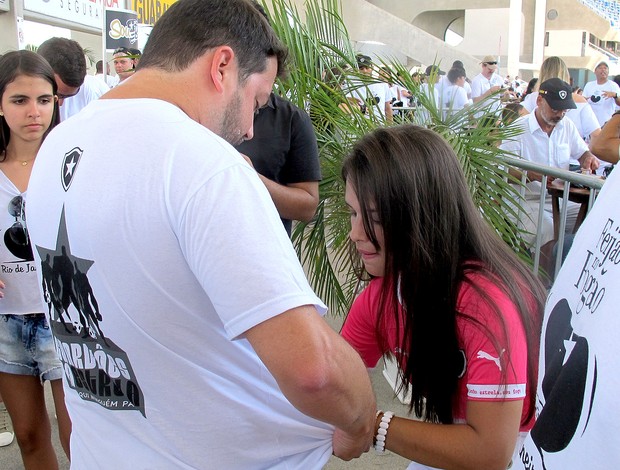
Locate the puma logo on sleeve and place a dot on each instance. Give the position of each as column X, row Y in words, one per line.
column 486, row 355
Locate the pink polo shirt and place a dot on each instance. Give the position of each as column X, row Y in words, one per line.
column 482, row 378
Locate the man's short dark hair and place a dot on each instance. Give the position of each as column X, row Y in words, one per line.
column 67, row 59
column 191, row 27
column 99, row 66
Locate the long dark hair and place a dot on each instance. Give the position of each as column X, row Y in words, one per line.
column 530, row 87
column 434, row 236
column 12, row 65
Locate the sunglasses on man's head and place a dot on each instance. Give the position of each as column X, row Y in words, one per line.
column 490, row 63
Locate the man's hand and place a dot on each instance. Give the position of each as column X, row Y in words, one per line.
column 347, row 446
column 610, row 94
column 589, row 162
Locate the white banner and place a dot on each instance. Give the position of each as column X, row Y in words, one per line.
column 577, row 405
column 84, row 12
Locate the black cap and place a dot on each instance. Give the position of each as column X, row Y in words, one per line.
column 363, row 61
column 458, row 63
column 557, row 93
column 434, row 69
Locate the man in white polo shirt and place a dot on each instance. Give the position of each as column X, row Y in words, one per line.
column 548, row 139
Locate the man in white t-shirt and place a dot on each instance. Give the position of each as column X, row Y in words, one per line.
column 376, row 97
column 110, row 80
column 75, row 88
column 189, row 335
column 486, row 85
column 92, row 89
column 602, row 94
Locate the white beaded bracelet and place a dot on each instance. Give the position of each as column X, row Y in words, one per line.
column 382, row 432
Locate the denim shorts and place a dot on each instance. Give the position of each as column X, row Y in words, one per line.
column 27, row 347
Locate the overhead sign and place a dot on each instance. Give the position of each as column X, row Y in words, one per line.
column 84, row 12
column 149, row 11
column 121, row 28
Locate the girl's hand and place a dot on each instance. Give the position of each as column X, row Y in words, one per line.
column 1, row 287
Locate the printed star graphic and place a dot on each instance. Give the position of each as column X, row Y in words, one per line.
column 70, row 166
column 63, row 242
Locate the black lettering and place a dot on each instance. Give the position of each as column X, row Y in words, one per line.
column 133, row 393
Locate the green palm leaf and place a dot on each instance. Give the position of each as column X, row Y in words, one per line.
column 322, row 69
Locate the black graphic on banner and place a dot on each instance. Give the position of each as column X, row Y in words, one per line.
column 121, row 29
column 94, row 366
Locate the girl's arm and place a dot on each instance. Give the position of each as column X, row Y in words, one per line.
column 486, row 442
column 359, row 327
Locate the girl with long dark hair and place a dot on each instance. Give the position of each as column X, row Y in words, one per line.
column 28, row 110
column 459, row 312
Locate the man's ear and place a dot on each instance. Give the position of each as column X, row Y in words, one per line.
column 223, row 67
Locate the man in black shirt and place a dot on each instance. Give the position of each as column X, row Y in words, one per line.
column 285, row 154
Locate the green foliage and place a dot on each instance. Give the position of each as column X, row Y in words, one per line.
column 322, row 69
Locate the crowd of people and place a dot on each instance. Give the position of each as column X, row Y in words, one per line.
column 158, row 292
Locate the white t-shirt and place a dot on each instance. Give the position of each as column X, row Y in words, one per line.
column 21, row 291
column 529, row 102
column 183, row 252
column 92, row 89
column 110, row 80
column 602, row 107
column 454, row 98
column 381, row 93
column 480, row 85
column 577, row 404
column 434, row 99
column 467, row 87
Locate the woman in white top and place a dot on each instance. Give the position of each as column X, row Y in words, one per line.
column 28, row 110
column 454, row 96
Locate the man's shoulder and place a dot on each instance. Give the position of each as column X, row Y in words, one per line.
column 612, row 84
column 285, row 108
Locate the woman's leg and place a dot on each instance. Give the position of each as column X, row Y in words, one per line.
column 25, row 401
column 64, row 422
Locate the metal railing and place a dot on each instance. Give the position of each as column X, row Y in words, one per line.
column 593, row 183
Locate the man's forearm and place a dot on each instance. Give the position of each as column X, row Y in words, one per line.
column 317, row 370
column 293, row 203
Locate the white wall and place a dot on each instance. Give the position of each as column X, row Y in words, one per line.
column 564, row 43
column 486, row 32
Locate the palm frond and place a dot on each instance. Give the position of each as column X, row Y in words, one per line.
column 322, row 71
